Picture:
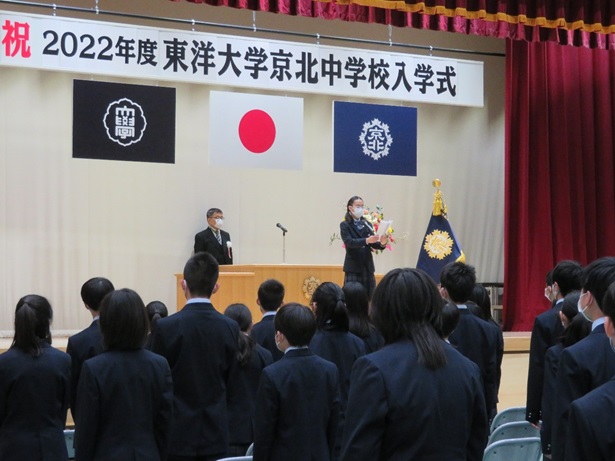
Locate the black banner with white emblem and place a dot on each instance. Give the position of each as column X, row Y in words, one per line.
column 113, row 121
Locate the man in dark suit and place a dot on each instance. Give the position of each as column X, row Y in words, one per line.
column 297, row 403
column 214, row 240
column 565, row 278
column 200, row 345
column 270, row 298
column 87, row 343
column 473, row 337
column 589, row 363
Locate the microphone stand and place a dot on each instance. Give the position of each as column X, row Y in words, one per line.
column 283, row 246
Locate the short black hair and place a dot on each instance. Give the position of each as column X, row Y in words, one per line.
column 569, row 306
column 448, row 319
column 94, row 290
column 459, row 280
column 597, row 277
column 609, row 302
column 567, row 274
column 297, row 323
column 201, row 274
column 124, row 323
column 213, row 211
column 270, row 294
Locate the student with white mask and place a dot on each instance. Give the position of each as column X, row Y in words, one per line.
column 359, row 240
column 589, row 363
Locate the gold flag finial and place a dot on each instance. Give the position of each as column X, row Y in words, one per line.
column 439, row 208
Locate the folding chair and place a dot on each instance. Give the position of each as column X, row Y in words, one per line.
column 250, row 451
column 514, row 430
column 237, row 458
column 525, row 449
column 508, row 416
column 69, row 438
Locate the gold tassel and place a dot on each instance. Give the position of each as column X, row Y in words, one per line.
column 439, row 208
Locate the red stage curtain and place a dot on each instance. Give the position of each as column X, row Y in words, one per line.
column 560, row 173
column 529, row 20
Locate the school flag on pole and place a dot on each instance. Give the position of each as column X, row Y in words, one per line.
column 439, row 246
column 255, row 131
column 374, row 139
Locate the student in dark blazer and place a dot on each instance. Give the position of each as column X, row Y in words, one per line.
column 575, row 329
column 214, row 240
column 252, row 358
column 270, row 298
column 473, row 337
column 566, row 277
column 200, row 345
column 417, row 397
column 297, row 402
column 590, row 362
column 591, row 433
column 359, row 323
column 333, row 341
column 359, row 240
column 125, row 394
column 34, row 388
column 87, row 343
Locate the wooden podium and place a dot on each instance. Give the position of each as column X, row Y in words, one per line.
column 239, row 283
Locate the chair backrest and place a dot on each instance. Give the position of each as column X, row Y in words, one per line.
column 508, row 416
column 525, row 449
column 250, row 451
column 514, row 430
column 237, row 458
column 69, row 438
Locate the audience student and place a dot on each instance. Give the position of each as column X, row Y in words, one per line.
column 200, row 345
column 270, row 298
column 359, row 324
column 566, row 277
column 591, row 433
column 333, row 341
column 448, row 320
column 297, row 403
column 125, row 394
column 252, row 358
column 588, row 363
column 417, row 398
column 482, row 308
column 473, row 337
column 34, row 388
column 87, row 343
column 576, row 327
column 156, row 310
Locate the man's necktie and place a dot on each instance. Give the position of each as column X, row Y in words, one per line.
column 219, row 237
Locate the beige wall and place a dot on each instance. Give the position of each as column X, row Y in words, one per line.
column 63, row 220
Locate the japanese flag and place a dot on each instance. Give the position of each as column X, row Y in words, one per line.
column 255, row 131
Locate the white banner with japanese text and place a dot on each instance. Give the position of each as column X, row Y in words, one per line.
column 93, row 47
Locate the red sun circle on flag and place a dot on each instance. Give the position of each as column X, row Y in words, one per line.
column 257, row 131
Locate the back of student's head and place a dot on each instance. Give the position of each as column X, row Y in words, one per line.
column 608, row 306
column 569, row 305
column 406, row 304
column 576, row 330
column 331, row 313
column 94, row 290
column 567, row 274
column 297, row 323
column 459, row 280
column 597, row 276
column 480, row 296
column 124, row 323
column 156, row 310
column 201, row 274
column 33, row 316
column 449, row 319
column 242, row 315
column 270, row 294
column 357, row 305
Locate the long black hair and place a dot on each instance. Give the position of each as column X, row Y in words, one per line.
column 357, row 305
column 331, row 312
column 242, row 315
column 407, row 304
column 33, row 316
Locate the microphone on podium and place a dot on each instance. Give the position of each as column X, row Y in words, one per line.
column 281, row 227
